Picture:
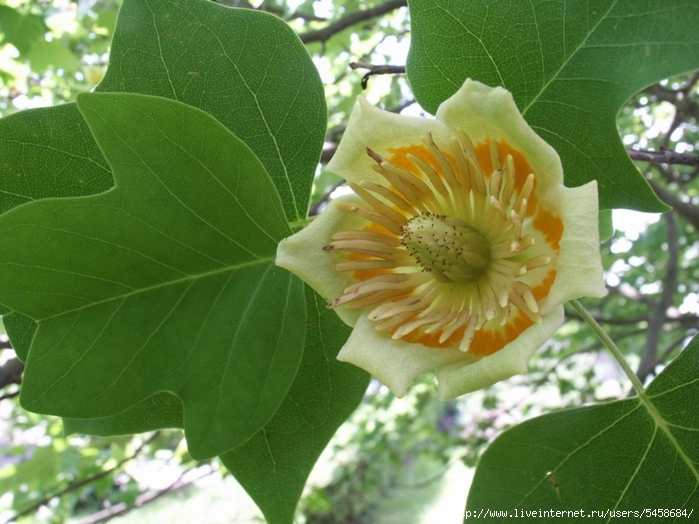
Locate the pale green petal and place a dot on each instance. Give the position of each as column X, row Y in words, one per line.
column 380, row 131
column 483, row 111
column 303, row 254
column 579, row 271
column 394, row 362
column 459, row 378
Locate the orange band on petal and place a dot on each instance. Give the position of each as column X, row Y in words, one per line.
column 522, row 167
column 551, row 226
column 487, row 341
column 432, row 339
column 542, row 290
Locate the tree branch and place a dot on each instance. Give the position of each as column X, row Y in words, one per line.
column 665, row 157
column 143, row 499
column 377, row 70
column 323, row 35
column 11, row 372
column 686, row 210
column 81, row 483
column 649, row 359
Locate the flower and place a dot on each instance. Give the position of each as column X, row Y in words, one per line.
column 459, row 247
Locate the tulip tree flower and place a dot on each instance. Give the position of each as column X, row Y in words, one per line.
column 458, row 248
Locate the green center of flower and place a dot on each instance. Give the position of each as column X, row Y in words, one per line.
column 447, row 247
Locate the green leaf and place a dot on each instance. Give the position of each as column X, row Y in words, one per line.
column 606, row 225
column 246, row 68
column 21, row 30
column 165, row 283
column 20, row 330
column 569, row 65
column 162, row 410
column 49, row 152
column 55, row 53
column 274, row 465
column 562, row 461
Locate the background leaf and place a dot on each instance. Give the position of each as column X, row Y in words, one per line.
column 569, row 65
column 272, row 466
column 246, row 68
column 165, row 283
column 162, row 410
column 562, row 461
column 49, row 152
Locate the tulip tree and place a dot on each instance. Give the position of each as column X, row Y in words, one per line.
column 140, row 226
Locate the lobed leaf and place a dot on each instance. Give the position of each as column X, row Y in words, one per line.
column 569, row 65
column 165, row 283
column 246, row 68
column 627, row 455
column 273, row 465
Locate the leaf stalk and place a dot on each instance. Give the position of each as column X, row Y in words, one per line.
column 610, row 345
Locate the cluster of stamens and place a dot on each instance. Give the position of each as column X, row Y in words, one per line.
column 446, row 246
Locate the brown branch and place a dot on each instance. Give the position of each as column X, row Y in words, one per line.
column 684, row 209
column 81, row 483
column 681, row 319
column 11, row 372
column 649, row 359
column 143, row 499
column 377, row 70
column 323, row 35
column 664, row 157
column 9, row 395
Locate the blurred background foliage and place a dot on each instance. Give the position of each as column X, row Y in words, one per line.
column 407, row 460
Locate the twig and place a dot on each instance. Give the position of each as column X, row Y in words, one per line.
column 323, row 35
column 11, row 372
column 377, row 70
column 649, row 359
column 315, row 208
column 81, row 483
column 9, row 395
column 684, row 209
column 143, row 499
column 664, row 156
column 681, row 319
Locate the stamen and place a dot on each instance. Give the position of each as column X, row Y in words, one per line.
column 377, row 218
column 447, row 246
column 494, row 155
column 433, row 176
column 372, row 236
column 389, row 195
column 405, row 190
column 461, row 164
column 367, row 247
column 509, row 184
column 379, row 206
column 356, row 265
column 470, row 331
column 421, row 190
column 444, row 164
column 533, row 263
column 525, row 192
